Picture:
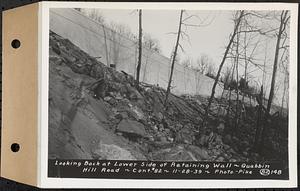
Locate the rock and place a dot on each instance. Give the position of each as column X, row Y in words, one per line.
column 130, row 127
column 232, row 160
column 245, row 153
column 155, row 128
column 225, row 155
column 110, row 100
column 107, row 98
column 201, row 154
column 111, row 152
column 220, row 159
column 136, row 113
column 170, row 139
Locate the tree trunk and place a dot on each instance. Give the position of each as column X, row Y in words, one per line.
column 140, row 50
column 174, row 59
column 229, row 99
column 246, row 66
column 280, row 31
column 258, row 122
column 283, row 96
column 220, row 68
column 264, row 74
column 237, row 110
column 283, row 22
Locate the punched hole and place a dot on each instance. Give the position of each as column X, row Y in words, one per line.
column 15, row 147
column 15, row 43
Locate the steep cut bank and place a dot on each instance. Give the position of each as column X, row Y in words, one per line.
column 95, row 112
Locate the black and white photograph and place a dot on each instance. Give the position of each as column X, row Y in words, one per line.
column 173, row 85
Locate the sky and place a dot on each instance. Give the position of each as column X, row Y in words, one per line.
column 160, row 23
column 210, row 39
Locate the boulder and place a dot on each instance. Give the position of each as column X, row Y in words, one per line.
column 132, row 128
column 111, row 152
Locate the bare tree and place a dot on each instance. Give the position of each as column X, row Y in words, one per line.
column 181, row 33
column 285, row 84
column 95, row 15
column 174, row 58
column 237, row 23
column 140, row 50
column 284, row 18
column 237, row 79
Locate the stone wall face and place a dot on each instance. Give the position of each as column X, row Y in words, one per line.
column 99, row 41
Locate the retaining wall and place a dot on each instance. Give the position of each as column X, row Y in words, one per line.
column 113, row 48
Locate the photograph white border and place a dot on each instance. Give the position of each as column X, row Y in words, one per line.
column 45, row 182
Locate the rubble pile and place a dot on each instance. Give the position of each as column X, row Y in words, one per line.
column 97, row 112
